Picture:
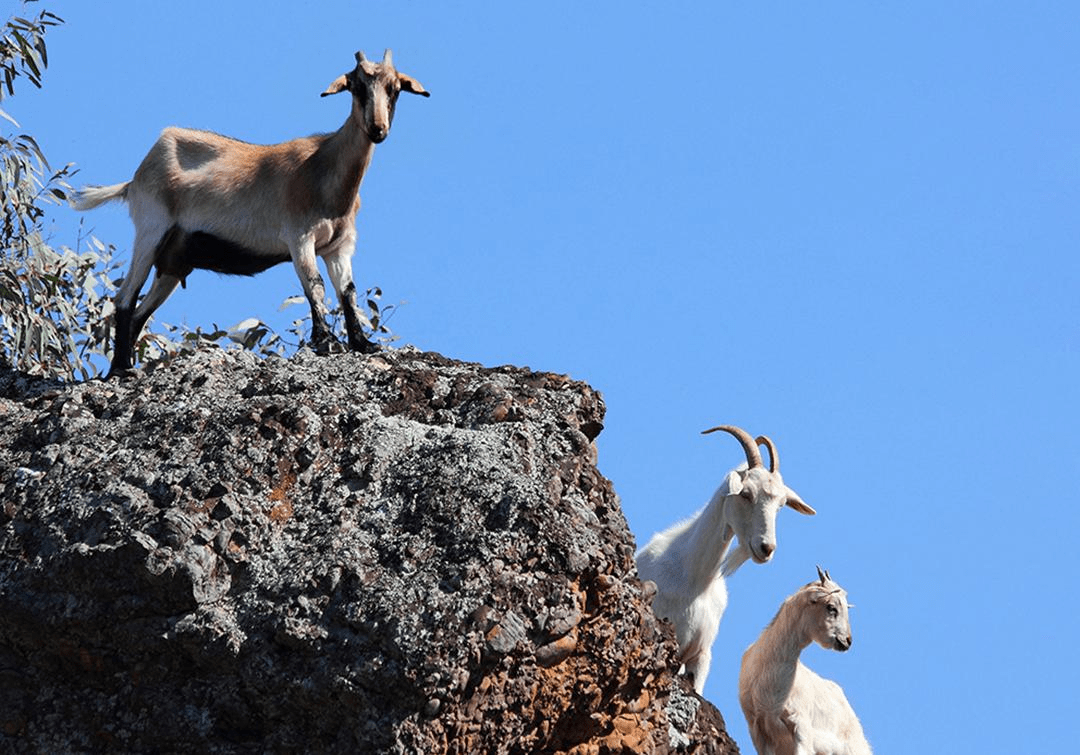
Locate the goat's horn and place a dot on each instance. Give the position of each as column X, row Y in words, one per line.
column 823, row 575
column 774, row 460
column 388, row 58
column 360, row 57
column 753, row 456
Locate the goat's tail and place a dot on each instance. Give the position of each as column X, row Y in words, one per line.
column 90, row 197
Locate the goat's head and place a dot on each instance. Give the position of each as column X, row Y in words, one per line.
column 828, row 613
column 375, row 88
column 756, row 495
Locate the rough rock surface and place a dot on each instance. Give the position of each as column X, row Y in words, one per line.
column 391, row 553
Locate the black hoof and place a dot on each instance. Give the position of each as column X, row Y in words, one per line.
column 364, row 347
column 328, row 346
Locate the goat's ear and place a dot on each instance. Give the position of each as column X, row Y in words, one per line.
column 796, row 503
column 409, row 84
column 340, row 84
column 734, row 484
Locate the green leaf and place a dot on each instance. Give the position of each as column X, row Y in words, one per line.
column 8, row 117
column 247, row 324
column 291, row 301
column 37, row 150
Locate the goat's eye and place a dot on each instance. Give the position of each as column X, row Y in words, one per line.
column 833, row 611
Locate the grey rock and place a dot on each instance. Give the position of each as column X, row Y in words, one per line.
column 395, row 553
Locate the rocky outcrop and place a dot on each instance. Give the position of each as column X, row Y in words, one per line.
column 392, row 553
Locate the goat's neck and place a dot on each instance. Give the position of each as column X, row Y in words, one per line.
column 709, row 539
column 779, row 648
column 346, row 153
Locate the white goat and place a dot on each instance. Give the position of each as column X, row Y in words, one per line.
column 789, row 709
column 201, row 200
column 688, row 561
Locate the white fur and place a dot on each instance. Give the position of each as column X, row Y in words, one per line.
column 688, row 561
column 789, row 709
column 202, row 200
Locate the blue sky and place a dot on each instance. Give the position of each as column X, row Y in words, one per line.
column 850, row 226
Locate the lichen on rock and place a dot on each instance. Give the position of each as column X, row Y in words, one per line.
column 387, row 553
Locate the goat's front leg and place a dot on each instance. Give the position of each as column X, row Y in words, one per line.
column 339, row 266
column 303, row 255
column 735, row 558
column 698, row 668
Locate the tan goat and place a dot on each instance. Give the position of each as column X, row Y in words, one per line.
column 789, row 709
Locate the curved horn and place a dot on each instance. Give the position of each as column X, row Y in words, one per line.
column 360, row 57
column 823, row 575
column 388, row 58
column 774, row 459
column 753, row 456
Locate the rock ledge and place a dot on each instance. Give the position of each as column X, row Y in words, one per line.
column 391, row 553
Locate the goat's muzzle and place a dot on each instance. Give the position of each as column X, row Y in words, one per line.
column 843, row 643
column 763, row 553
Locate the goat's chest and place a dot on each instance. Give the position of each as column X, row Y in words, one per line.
column 334, row 235
column 707, row 608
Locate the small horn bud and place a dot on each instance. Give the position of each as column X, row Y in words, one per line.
column 360, row 57
column 388, row 58
column 822, row 575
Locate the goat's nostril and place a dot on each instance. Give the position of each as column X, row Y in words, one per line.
column 767, row 549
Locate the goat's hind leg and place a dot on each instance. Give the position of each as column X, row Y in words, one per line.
column 144, row 250
column 163, row 285
column 172, row 269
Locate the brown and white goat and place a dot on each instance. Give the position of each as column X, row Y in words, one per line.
column 206, row 201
